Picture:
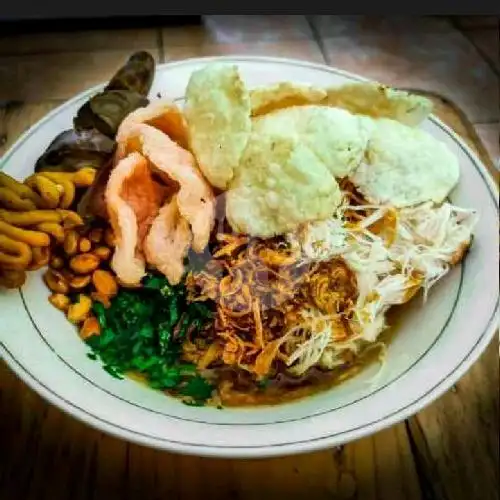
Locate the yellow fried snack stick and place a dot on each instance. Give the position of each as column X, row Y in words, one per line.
column 32, row 238
column 65, row 187
column 48, row 190
column 24, row 192
column 14, row 254
column 53, row 229
column 41, row 257
column 11, row 200
column 34, row 217
column 12, row 278
column 84, row 177
column 30, row 218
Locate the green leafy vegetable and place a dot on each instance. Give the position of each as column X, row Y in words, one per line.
column 143, row 331
column 263, row 383
column 197, row 389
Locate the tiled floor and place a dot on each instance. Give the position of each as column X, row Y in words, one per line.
column 486, row 41
column 483, row 33
column 426, row 53
column 489, row 134
column 457, row 58
column 14, row 120
column 78, row 41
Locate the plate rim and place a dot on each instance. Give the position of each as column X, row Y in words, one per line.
column 285, row 448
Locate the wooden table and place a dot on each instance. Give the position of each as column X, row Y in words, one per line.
column 447, row 451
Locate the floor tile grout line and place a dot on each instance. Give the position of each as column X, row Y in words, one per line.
column 472, row 27
column 478, row 28
column 463, row 31
column 159, row 42
column 74, row 50
column 488, row 122
column 317, row 38
column 483, row 55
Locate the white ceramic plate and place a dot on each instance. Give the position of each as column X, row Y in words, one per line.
column 434, row 347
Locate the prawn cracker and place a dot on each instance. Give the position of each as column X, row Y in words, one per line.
column 218, row 117
column 281, row 184
column 379, row 101
column 283, row 95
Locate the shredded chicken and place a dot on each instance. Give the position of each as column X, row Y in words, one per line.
column 393, row 253
column 263, row 291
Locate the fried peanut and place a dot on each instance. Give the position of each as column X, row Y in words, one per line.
column 84, row 263
column 12, row 201
column 79, row 311
column 103, row 299
column 41, row 257
column 109, row 237
column 104, row 283
column 84, row 245
column 12, row 278
column 67, row 274
column 14, row 254
column 56, row 281
column 53, row 229
column 79, row 282
column 90, row 327
column 95, row 235
column 60, row 301
column 31, row 217
column 104, row 253
column 70, row 244
column 56, row 262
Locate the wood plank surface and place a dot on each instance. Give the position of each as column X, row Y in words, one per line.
column 449, row 451
column 49, row 455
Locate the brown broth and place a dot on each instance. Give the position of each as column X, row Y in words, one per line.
column 313, row 382
column 316, row 380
